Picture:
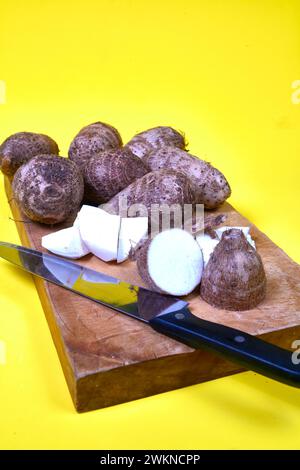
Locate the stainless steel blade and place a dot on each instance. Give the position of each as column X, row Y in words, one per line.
column 124, row 297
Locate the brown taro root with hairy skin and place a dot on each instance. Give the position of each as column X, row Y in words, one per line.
column 158, row 187
column 147, row 141
column 21, row 147
column 109, row 172
column 234, row 277
column 210, row 185
column 91, row 140
column 48, row 188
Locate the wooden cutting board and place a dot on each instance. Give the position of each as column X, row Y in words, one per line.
column 108, row 358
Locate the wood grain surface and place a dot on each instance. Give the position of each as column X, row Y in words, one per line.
column 108, row 358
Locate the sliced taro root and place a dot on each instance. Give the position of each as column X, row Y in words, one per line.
column 66, row 242
column 132, row 231
column 100, row 233
column 171, row 262
column 207, row 245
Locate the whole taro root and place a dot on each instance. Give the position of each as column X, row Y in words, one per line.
column 162, row 187
column 21, row 147
column 109, row 172
column 147, row 141
column 91, row 140
column 234, row 278
column 210, row 185
column 48, row 188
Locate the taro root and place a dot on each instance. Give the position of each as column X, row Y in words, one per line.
column 171, row 262
column 21, row 147
column 163, row 187
column 147, row 141
column 234, row 278
column 105, row 235
column 207, row 245
column 91, row 140
column 210, row 185
column 133, row 230
column 99, row 231
column 109, row 172
column 48, row 188
column 66, row 242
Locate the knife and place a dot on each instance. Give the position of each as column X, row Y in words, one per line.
column 165, row 314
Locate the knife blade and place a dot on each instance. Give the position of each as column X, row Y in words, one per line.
column 165, row 314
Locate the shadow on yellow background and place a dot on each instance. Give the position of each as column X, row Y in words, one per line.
column 225, row 73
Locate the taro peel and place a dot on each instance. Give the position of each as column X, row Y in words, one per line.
column 234, row 278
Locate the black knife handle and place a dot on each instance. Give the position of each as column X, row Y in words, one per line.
column 246, row 350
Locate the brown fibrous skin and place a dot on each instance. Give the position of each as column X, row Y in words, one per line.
column 145, row 142
column 109, row 172
column 21, row 147
column 157, row 187
column 48, row 188
column 210, row 185
column 91, row 140
column 234, row 278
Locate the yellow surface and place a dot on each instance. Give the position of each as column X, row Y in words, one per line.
column 223, row 71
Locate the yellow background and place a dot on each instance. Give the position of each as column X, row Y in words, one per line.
column 222, row 71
